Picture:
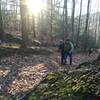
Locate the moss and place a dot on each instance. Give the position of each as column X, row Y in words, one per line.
column 57, row 88
column 9, row 51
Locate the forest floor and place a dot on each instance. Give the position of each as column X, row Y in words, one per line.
column 19, row 74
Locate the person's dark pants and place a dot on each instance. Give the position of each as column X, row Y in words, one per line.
column 62, row 58
column 68, row 55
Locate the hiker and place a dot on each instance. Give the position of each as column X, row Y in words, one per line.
column 61, row 48
column 90, row 51
column 68, row 50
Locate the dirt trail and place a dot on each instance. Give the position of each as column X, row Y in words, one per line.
column 77, row 58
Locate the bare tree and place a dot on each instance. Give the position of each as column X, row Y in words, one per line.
column 73, row 15
column 64, row 19
column 86, row 23
column 66, row 14
column 1, row 25
column 99, row 31
column 51, row 15
column 79, row 22
column 33, row 19
column 96, row 24
column 63, row 31
column 24, row 27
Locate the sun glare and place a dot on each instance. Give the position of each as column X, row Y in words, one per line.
column 35, row 6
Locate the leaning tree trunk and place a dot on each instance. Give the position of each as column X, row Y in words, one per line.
column 24, row 22
column 1, row 25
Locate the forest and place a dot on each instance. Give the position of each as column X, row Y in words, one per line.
column 49, row 49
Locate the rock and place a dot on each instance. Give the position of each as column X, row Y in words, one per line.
column 98, row 74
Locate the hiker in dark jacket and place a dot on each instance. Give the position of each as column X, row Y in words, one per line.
column 61, row 48
column 68, row 50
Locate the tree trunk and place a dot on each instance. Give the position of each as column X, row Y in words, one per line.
column 33, row 19
column 79, row 23
column 63, row 31
column 73, row 14
column 96, row 25
column 51, row 16
column 24, row 22
column 99, row 31
column 86, row 25
column 96, row 30
column 1, row 25
column 66, row 14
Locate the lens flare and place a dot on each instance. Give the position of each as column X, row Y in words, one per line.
column 35, row 6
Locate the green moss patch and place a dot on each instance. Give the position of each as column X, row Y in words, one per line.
column 62, row 86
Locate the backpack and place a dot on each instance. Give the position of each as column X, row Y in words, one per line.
column 67, row 46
